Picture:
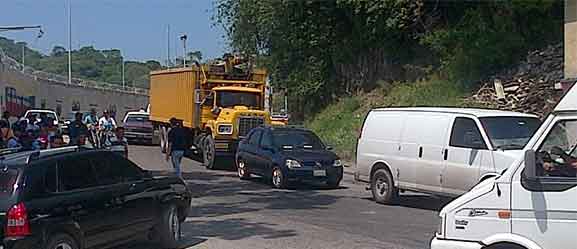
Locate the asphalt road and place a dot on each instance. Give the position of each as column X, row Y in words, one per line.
column 231, row 213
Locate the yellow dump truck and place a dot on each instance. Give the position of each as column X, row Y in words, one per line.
column 219, row 103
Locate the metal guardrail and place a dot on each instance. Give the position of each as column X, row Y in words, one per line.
column 62, row 80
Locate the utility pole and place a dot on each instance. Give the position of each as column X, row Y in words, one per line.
column 23, row 55
column 69, row 42
column 123, row 83
column 183, row 39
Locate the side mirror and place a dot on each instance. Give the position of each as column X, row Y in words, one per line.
column 329, row 148
column 530, row 171
column 215, row 111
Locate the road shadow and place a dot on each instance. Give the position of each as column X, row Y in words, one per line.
column 234, row 229
column 424, row 202
column 187, row 241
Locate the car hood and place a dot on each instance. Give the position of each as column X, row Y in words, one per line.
column 309, row 155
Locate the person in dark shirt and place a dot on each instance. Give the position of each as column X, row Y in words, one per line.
column 177, row 144
column 76, row 128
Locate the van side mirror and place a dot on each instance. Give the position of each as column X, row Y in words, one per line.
column 530, row 172
column 329, row 148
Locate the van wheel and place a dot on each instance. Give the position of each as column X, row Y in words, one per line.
column 242, row 168
column 167, row 233
column 208, row 152
column 61, row 241
column 383, row 188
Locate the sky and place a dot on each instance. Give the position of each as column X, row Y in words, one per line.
column 137, row 27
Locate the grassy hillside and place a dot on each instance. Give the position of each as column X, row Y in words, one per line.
column 338, row 124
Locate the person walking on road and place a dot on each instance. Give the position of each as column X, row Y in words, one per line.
column 176, row 145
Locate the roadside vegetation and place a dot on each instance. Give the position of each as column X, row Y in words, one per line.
column 339, row 124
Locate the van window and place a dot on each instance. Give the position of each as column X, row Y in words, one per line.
column 510, row 133
column 557, row 157
column 466, row 134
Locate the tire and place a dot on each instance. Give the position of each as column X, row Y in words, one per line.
column 61, row 241
column 167, row 233
column 383, row 187
column 333, row 183
column 208, row 152
column 242, row 169
column 278, row 179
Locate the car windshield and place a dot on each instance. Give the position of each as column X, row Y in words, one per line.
column 297, row 140
column 510, row 133
column 137, row 118
column 39, row 115
column 229, row 99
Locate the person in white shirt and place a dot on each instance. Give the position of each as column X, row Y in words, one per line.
column 106, row 122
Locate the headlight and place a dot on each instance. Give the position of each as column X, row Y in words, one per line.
column 291, row 164
column 225, row 129
column 337, row 163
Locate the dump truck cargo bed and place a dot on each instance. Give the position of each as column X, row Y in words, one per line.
column 173, row 95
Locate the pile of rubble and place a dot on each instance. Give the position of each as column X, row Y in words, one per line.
column 529, row 88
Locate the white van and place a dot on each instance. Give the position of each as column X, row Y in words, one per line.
column 443, row 151
column 533, row 205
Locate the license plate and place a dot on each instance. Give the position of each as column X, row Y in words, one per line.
column 319, row 173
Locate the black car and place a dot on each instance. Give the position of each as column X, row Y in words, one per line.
column 287, row 154
column 75, row 199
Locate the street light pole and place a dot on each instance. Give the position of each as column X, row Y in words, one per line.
column 23, row 55
column 69, row 42
column 183, row 39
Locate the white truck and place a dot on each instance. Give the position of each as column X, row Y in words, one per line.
column 532, row 205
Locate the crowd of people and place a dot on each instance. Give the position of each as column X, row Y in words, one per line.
column 40, row 132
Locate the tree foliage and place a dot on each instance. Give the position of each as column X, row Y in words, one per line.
column 321, row 50
column 87, row 63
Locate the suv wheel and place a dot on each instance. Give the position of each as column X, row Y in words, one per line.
column 168, row 231
column 383, row 188
column 242, row 168
column 61, row 241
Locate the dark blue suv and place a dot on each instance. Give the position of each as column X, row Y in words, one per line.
column 287, row 154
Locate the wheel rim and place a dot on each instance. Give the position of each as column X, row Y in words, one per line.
column 63, row 245
column 382, row 186
column 276, row 177
column 174, row 225
column 241, row 169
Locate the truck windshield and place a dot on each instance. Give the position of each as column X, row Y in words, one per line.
column 230, row 99
column 510, row 133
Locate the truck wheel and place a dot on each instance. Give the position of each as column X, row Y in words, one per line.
column 167, row 233
column 383, row 188
column 61, row 241
column 208, row 152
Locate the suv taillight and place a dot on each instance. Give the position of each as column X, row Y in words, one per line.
column 17, row 224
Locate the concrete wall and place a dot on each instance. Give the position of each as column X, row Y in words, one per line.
column 59, row 96
column 570, row 39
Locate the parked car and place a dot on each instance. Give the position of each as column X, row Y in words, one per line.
column 137, row 127
column 287, row 154
column 532, row 205
column 72, row 198
column 443, row 151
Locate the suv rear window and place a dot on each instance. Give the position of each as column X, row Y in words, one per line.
column 8, row 179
